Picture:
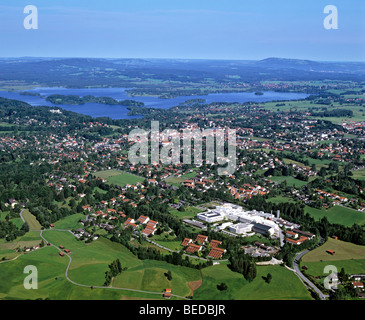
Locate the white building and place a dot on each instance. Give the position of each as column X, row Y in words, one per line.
column 256, row 221
column 224, row 225
column 241, row 228
column 210, row 216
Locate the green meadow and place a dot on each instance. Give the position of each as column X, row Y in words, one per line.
column 118, row 178
column 31, row 220
column 88, row 267
column 347, row 255
column 285, row 285
column 280, row 199
column 7, row 249
column 338, row 214
column 358, row 174
column 188, row 213
column 70, row 222
column 150, row 275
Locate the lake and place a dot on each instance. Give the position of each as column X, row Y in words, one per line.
column 121, row 112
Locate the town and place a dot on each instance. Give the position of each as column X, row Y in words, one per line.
column 298, row 185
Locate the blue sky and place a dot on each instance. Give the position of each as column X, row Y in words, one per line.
column 190, row 29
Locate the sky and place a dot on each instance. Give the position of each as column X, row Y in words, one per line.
column 189, row 29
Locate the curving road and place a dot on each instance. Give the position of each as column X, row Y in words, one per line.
column 100, row 287
column 303, row 277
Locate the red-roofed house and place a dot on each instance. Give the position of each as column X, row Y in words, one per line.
column 152, row 224
column 216, row 253
column 186, row 241
column 167, row 293
column 215, row 243
column 147, row 231
column 193, row 248
column 143, row 219
column 200, row 239
column 128, row 221
column 357, row 284
column 291, row 234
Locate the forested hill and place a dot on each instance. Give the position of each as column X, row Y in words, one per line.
column 76, row 100
column 136, row 73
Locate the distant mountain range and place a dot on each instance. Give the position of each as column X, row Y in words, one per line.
column 70, row 71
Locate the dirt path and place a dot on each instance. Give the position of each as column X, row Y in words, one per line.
column 194, row 285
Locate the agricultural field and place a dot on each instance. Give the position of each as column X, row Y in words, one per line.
column 31, row 220
column 175, row 181
column 119, row 178
column 285, row 285
column 305, row 105
column 150, row 276
column 7, row 249
column 347, row 255
column 88, row 266
column 358, row 174
column 289, row 180
column 70, row 222
column 280, row 199
column 338, row 214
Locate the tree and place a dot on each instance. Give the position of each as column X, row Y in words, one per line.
column 342, row 275
column 222, row 286
column 268, row 278
column 169, row 275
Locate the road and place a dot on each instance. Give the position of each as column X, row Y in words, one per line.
column 99, row 287
column 21, row 216
column 302, row 276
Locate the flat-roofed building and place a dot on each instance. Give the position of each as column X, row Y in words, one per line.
column 291, row 234
column 307, row 234
column 210, row 216
column 241, row 228
column 224, row 225
column 263, row 229
column 195, row 223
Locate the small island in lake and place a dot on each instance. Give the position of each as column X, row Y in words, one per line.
column 259, row 93
column 76, row 100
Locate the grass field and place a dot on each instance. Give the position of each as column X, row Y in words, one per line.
column 280, row 199
column 344, row 251
column 175, row 181
column 118, row 178
column 31, row 220
column 347, row 255
column 7, row 249
column 107, row 173
column 338, row 214
column 289, row 180
column 70, row 222
column 358, row 174
column 88, row 267
column 190, row 212
column 150, row 276
column 89, row 263
column 17, row 221
column 284, row 285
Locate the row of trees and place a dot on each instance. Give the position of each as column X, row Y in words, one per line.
column 115, row 268
column 244, row 264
